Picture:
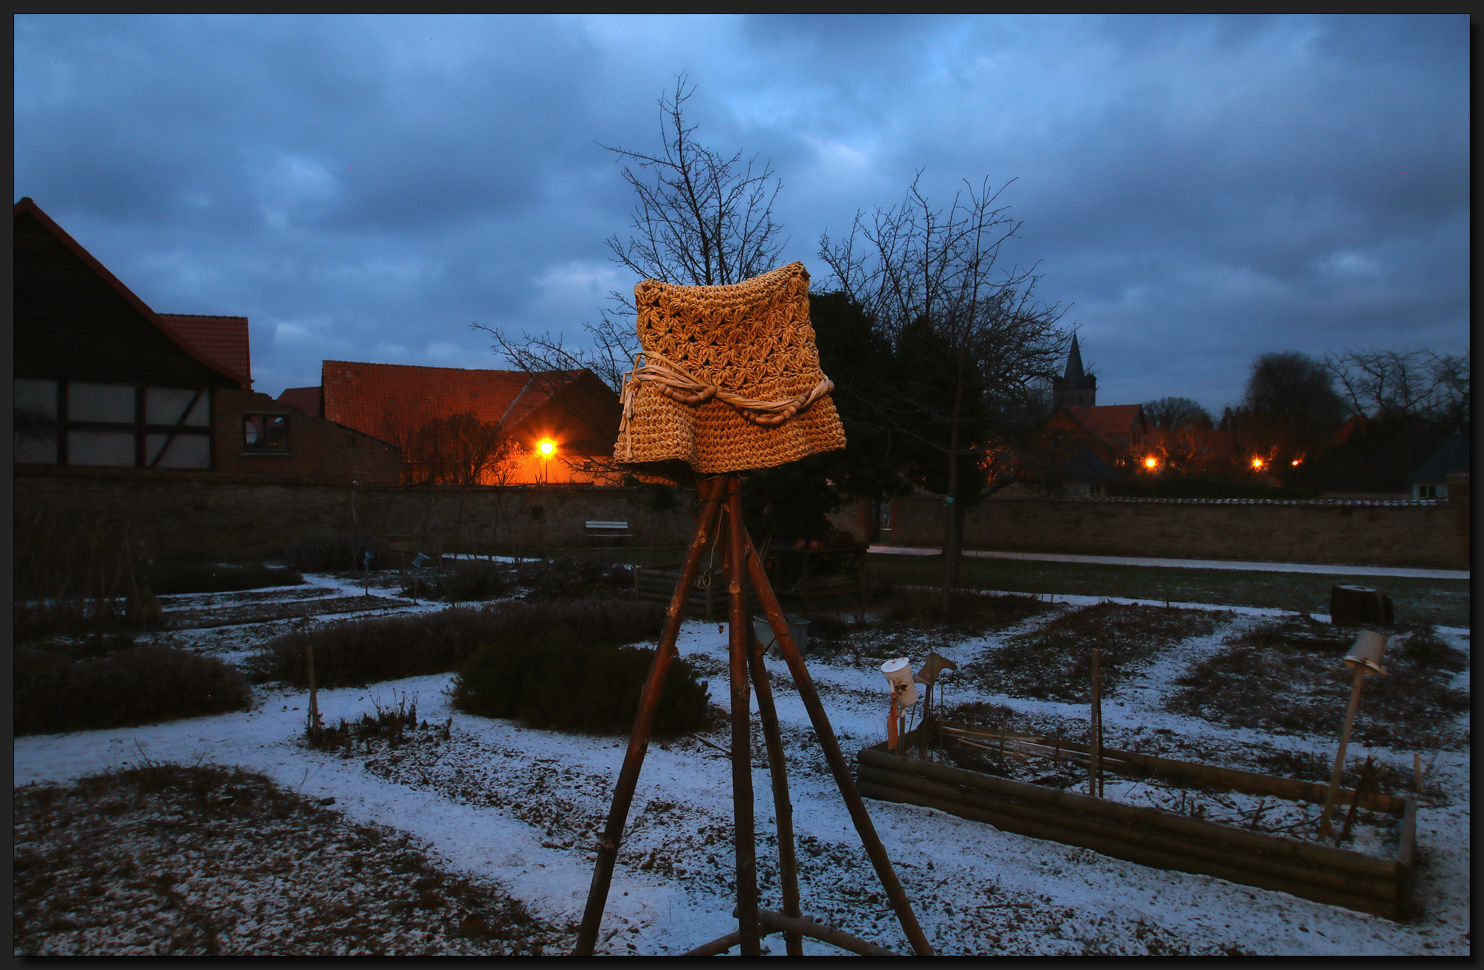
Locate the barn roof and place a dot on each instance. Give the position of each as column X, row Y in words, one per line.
column 27, row 208
column 363, row 395
column 223, row 339
column 306, row 399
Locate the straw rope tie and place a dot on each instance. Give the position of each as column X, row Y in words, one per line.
column 673, row 381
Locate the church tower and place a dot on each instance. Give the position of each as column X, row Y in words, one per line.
column 1075, row 388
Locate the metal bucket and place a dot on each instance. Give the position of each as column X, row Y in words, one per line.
column 797, row 626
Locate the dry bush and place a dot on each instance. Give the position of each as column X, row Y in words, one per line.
column 572, row 577
column 1273, row 676
column 324, row 551
column 172, row 577
column 1055, row 661
column 78, row 570
column 464, row 582
column 120, row 687
column 971, row 612
column 388, row 648
column 558, row 681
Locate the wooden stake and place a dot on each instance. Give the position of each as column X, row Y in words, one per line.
column 1334, row 778
column 1417, row 770
column 742, row 802
column 313, row 694
column 782, row 806
column 1095, row 766
column 628, row 776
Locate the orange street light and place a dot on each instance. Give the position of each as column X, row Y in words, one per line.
column 1151, row 463
column 1257, row 464
column 546, row 447
column 1297, row 462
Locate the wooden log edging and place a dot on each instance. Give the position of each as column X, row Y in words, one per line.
column 1137, row 765
column 1153, row 837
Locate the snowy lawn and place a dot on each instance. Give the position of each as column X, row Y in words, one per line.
column 495, row 813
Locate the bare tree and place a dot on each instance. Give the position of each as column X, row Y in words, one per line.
column 1417, row 384
column 971, row 342
column 454, row 449
column 702, row 218
column 1176, row 413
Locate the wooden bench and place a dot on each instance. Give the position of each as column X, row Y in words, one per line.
column 602, row 531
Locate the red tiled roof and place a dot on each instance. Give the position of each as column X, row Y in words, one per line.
column 366, row 396
column 1110, row 419
column 306, row 399
column 223, row 339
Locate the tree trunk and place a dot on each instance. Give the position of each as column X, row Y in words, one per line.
column 951, row 517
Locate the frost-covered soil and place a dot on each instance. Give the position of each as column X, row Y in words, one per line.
column 514, row 811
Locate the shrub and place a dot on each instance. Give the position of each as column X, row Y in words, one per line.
column 76, row 569
column 168, row 578
column 389, row 724
column 571, row 576
column 134, row 685
column 365, row 651
column 552, row 680
column 973, row 612
column 332, row 552
column 463, row 583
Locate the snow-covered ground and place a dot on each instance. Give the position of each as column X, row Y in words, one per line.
column 519, row 807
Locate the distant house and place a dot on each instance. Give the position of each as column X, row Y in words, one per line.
column 1430, row 479
column 573, row 411
column 103, row 382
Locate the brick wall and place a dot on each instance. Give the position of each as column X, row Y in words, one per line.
column 1410, row 534
column 318, row 450
column 183, row 513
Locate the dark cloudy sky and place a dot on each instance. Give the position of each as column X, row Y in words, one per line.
column 1197, row 190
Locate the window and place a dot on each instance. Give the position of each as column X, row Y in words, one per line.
column 1432, row 491
column 265, row 433
column 112, row 425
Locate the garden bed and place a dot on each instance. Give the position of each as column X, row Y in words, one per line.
column 1377, row 882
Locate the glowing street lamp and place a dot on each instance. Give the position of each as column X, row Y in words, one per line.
column 1151, row 463
column 1257, row 464
column 546, row 449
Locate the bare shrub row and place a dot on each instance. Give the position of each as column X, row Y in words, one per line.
column 106, row 684
column 370, row 650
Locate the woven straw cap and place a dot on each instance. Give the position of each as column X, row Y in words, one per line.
column 730, row 379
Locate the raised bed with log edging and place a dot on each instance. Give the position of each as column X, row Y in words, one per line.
column 1157, row 838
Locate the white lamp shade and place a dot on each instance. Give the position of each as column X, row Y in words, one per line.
column 899, row 676
column 1366, row 652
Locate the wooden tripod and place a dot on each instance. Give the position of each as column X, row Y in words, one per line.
column 716, row 494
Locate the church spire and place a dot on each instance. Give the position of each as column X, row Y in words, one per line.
column 1077, row 388
column 1074, row 364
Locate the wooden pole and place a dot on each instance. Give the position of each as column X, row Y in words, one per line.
column 1334, row 778
column 830, row 746
column 628, row 777
column 313, row 694
column 742, row 808
column 1095, row 766
column 891, row 726
column 782, row 808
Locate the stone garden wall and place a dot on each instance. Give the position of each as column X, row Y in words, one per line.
column 184, row 514
column 1420, row 534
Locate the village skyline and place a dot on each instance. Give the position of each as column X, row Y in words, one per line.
column 1197, row 191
